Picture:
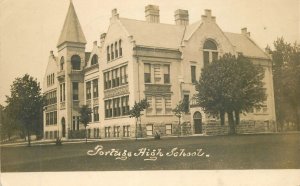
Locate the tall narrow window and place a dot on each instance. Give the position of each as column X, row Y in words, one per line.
column 116, row 49
column 186, row 100
column 147, row 73
column 166, row 73
column 75, row 90
column 62, row 62
column 95, row 88
column 193, row 74
column 125, row 105
column 150, row 108
column 94, row 59
column 108, row 54
column 75, row 62
column 112, row 52
column 96, row 113
column 88, row 90
column 157, row 75
column 120, row 48
column 210, row 51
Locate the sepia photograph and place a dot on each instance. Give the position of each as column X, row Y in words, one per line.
column 195, row 92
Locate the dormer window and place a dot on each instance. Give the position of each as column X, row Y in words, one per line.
column 62, row 61
column 75, row 62
column 94, row 59
column 210, row 51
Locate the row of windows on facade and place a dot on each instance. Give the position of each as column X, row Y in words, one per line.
column 51, row 98
column 92, row 85
column 159, row 105
column 50, row 79
column 51, row 118
column 115, row 77
column 156, row 73
column 150, row 132
column 117, row 107
column 75, row 62
column 116, row 131
column 51, row 134
column 114, row 50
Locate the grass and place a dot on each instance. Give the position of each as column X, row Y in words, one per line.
column 261, row 151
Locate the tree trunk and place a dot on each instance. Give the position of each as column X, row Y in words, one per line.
column 85, row 135
column 222, row 117
column 237, row 117
column 140, row 127
column 28, row 136
column 231, row 123
column 136, row 135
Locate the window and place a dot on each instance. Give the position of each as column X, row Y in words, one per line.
column 186, row 99
column 95, row 88
column 88, row 90
column 125, row 105
column 62, row 61
column 168, row 129
column 193, row 74
column 107, row 80
column 75, row 90
column 120, row 48
column 55, row 134
column 89, row 133
column 78, row 121
column 116, row 49
column 123, row 75
column 107, row 132
column 126, row 131
column 147, row 73
column 75, row 62
column 166, row 73
column 51, row 118
column 116, row 131
column 94, row 59
column 51, row 98
column 149, row 130
column 112, row 52
column 108, row 109
column 116, row 107
column 96, row 113
column 62, row 92
column 108, row 54
column 210, row 52
column 74, row 122
column 115, row 78
column 149, row 110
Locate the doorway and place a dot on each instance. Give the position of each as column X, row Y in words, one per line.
column 197, row 122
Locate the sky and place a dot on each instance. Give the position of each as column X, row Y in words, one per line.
column 29, row 29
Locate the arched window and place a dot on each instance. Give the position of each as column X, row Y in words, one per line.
column 116, row 49
column 108, row 54
column 94, row 59
column 75, row 61
column 210, row 51
column 62, row 61
column 120, row 48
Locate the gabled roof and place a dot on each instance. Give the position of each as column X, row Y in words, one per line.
column 154, row 34
column 245, row 45
column 71, row 31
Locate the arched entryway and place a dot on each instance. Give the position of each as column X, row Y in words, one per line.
column 63, row 127
column 197, row 122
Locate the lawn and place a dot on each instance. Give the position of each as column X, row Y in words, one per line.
column 260, row 151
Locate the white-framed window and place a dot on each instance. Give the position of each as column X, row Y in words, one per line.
column 168, row 129
column 210, row 51
column 107, row 132
column 116, row 131
column 126, row 131
column 149, row 129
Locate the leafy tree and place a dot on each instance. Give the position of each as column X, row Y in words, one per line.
column 136, row 112
column 25, row 104
column 230, row 85
column 181, row 108
column 286, row 75
column 7, row 124
column 85, row 115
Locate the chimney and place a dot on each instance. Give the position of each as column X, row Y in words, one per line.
column 152, row 13
column 181, row 17
column 114, row 14
column 207, row 17
column 245, row 32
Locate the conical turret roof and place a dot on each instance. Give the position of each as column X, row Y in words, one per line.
column 71, row 31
